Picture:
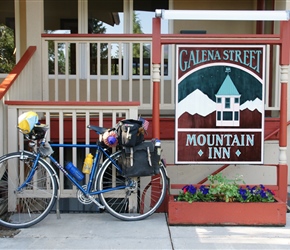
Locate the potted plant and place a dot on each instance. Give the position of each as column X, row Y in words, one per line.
column 226, row 202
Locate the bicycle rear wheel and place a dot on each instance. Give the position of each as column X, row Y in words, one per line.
column 140, row 198
column 25, row 206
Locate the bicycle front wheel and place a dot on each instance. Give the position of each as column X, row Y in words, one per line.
column 25, row 205
column 140, row 197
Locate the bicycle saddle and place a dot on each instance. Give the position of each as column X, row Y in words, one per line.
column 98, row 130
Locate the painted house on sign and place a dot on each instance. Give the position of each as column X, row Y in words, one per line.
column 228, row 103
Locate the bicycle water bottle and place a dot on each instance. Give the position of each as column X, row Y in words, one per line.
column 158, row 146
column 74, row 171
column 88, row 163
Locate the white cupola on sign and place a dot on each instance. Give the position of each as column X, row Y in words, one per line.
column 228, row 103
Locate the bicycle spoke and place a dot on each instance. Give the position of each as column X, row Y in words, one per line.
column 141, row 197
column 28, row 205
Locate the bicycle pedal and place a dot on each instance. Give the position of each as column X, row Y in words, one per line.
column 101, row 210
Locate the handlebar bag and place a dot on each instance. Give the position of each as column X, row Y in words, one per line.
column 141, row 160
column 130, row 132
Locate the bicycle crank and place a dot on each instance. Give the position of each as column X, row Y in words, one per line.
column 86, row 200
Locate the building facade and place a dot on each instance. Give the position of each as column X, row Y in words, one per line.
column 80, row 59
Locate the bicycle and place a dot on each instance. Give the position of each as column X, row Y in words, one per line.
column 29, row 184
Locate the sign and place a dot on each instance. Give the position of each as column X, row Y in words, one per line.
column 219, row 104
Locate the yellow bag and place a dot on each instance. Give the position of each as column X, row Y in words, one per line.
column 27, row 121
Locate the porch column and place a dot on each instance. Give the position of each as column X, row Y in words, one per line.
column 156, row 61
column 83, row 48
column 282, row 176
column 34, row 29
column 20, row 28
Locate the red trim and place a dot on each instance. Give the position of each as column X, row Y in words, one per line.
column 283, row 115
column 9, row 80
column 254, row 38
column 64, row 103
column 282, row 180
column 220, row 39
column 141, row 36
column 156, row 45
column 285, row 39
column 156, row 110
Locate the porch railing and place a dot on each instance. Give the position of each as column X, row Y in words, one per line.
column 105, row 68
column 68, row 124
column 101, row 67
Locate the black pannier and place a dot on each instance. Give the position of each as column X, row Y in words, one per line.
column 130, row 132
column 141, row 160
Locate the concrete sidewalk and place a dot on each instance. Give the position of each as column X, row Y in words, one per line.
column 102, row 231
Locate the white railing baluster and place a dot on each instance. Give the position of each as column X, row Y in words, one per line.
column 56, row 83
column 109, row 98
column 130, row 70
column 67, row 45
column 88, row 85
column 78, row 71
column 98, row 71
column 120, row 90
column 61, row 150
column 141, row 90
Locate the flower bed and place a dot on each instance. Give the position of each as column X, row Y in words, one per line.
column 222, row 189
column 225, row 202
column 226, row 213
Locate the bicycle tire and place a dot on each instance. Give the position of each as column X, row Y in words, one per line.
column 135, row 203
column 28, row 206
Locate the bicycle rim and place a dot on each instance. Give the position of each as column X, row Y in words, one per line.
column 25, row 207
column 131, row 203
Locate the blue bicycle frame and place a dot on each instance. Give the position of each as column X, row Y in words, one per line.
column 93, row 175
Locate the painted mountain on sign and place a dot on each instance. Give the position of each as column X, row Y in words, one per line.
column 196, row 103
column 197, row 110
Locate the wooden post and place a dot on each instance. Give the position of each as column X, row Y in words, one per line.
column 282, row 172
column 156, row 61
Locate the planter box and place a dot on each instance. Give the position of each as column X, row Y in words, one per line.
column 223, row 213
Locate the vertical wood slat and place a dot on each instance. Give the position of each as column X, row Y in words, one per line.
column 98, row 71
column 88, row 82
column 61, row 150
column 56, row 83
column 78, row 65
column 67, row 71
column 141, row 90
column 109, row 83
column 130, row 70
column 120, row 91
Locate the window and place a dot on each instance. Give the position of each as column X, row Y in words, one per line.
column 236, row 115
column 219, row 115
column 227, row 103
column 219, row 100
column 236, row 100
column 227, row 116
